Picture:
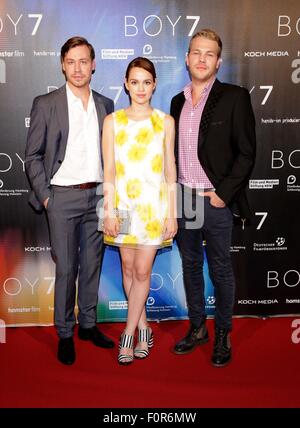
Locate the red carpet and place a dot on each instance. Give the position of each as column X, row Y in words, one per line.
column 264, row 371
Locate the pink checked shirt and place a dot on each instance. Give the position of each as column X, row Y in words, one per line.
column 191, row 173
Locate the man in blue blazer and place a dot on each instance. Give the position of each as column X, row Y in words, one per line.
column 64, row 164
column 215, row 153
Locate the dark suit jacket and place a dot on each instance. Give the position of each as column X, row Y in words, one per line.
column 226, row 142
column 47, row 139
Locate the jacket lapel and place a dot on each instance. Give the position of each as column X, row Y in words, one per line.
column 176, row 111
column 63, row 113
column 178, row 107
column 212, row 101
column 101, row 112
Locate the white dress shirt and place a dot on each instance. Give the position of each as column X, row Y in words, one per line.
column 82, row 162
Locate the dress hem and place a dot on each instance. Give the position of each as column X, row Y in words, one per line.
column 140, row 246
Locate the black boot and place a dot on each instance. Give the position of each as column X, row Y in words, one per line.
column 222, row 348
column 95, row 336
column 66, row 351
column 195, row 336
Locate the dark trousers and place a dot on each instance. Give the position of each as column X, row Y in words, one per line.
column 216, row 231
column 77, row 249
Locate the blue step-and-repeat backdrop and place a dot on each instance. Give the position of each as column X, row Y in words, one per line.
column 261, row 52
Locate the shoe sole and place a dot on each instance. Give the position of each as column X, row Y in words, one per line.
column 66, row 363
column 201, row 342
column 221, row 365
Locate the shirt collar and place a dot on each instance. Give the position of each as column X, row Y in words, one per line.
column 72, row 97
column 187, row 90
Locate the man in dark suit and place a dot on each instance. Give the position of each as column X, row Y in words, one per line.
column 64, row 165
column 215, row 152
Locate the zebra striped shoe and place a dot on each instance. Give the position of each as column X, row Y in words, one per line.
column 145, row 335
column 126, row 342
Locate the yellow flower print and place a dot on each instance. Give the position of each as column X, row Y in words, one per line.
column 137, row 153
column 121, row 117
column 133, row 188
column 154, row 229
column 157, row 164
column 130, row 239
column 109, row 239
column 157, row 122
column 144, row 136
column 117, row 199
column 163, row 192
column 121, row 137
column 120, row 169
column 146, row 212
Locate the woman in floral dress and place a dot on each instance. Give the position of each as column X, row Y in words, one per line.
column 140, row 179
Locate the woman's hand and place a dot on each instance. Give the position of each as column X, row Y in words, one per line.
column 111, row 227
column 170, row 228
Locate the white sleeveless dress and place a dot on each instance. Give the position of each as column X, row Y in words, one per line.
column 140, row 185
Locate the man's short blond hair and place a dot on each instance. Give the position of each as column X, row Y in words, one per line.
column 208, row 34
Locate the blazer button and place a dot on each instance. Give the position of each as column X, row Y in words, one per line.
column 59, row 161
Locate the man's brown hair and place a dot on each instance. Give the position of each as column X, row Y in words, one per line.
column 72, row 43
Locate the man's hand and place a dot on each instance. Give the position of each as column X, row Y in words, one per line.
column 45, row 203
column 215, row 201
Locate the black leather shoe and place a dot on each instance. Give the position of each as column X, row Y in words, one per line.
column 66, row 351
column 195, row 336
column 95, row 336
column 222, row 348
